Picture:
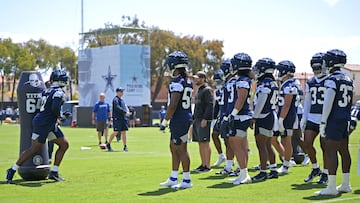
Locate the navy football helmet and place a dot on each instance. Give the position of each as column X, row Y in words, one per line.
column 334, row 58
column 59, row 78
column 285, row 68
column 226, row 67
column 176, row 60
column 219, row 78
column 263, row 66
column 318, row 65
column 241, row 61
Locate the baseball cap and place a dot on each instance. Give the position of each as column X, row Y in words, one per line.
column 119, row 89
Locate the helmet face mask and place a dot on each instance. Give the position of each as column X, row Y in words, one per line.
column 357, row 104
column 219, row 78
column 226, row 68
column 318, row 65
column 176, row 60
column 241, row 61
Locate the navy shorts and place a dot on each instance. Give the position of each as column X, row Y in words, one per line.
column 239, row 128
column 312, row 126
column 179, row 131
column 41, row 133
column 265, row 125
column 120, row 125
column 224, row 129
column 337, row 130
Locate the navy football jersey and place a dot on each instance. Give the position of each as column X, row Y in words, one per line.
column 51, row 102
column 355, row 113
column 185, row 88
column 343, row 87
column 267, row 86
column 288, row 87
column 241, row 82
column 230, row 95
column 315, row 87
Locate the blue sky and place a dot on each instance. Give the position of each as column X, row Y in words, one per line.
column 280, row 29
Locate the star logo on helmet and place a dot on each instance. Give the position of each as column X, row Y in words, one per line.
column 109, row 78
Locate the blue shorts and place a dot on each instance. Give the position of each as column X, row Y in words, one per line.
column 41, row 133
column 337, row 129
column 289, row 121
column 179, row 129
column 312, row 126
column 120, row 125
column 239, row 128
column 265, row 125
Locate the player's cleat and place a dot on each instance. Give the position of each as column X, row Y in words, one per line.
column 224, row 171
column 306, row 160
column 344, row 188
column 55, row 176
column 108, row 146
column 328, row 191
column 235, row 173
column 292, row 163
column 183, row 185
column 283, row 170
column 170, row 182
column 220, row 160
column 242, row 180
column 126, row 149
column 203, row 169
column 9, row 175
column 258, row 167
column 273, row 174
column 323, row 178
column 260, row 177
column 315, row 172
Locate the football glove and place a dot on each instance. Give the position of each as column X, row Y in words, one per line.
column 303, row 124
column 322, row 129
column 281, row 125
column 163, row 124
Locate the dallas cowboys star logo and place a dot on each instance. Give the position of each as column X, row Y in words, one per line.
column 109, row 78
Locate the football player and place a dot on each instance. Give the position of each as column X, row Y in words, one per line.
column 224, row 131
column 335, row 120
column 287, row 109
column 219, row 79
column 180, row 116
column 240, row 117
column 355, row 116
column 311, row 119
column 45, row 125
column 265, row 101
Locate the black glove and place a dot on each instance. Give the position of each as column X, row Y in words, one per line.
column 231, row 121
column 66, row 114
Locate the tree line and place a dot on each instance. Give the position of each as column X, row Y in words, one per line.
column 39, row 55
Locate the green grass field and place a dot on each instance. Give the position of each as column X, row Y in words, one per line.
column 100, row 176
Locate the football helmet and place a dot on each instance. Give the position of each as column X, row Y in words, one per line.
column 226, row 67
column 285, row 68
column 263, row 66
column 176, row 60
column 59, row 78
column 318, row 65
column 334, row 58
column 357, row 104
column 219, row 78
column 241, row 61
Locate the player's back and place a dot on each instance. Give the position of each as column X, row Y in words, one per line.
column 343, row 87
column 185, row 88
column 268, row 86
column 288, row 87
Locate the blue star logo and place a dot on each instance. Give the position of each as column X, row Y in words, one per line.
column 109, row 78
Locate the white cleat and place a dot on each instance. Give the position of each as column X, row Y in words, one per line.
column 182, row 185
column 220, row 160
column 242, row 180
column 283, row 170
column 306, row 160
column 169, row 183
column 292, row 163
column 327, row 191
column 344, row 188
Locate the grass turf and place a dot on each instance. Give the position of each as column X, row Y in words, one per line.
column 96, row 175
